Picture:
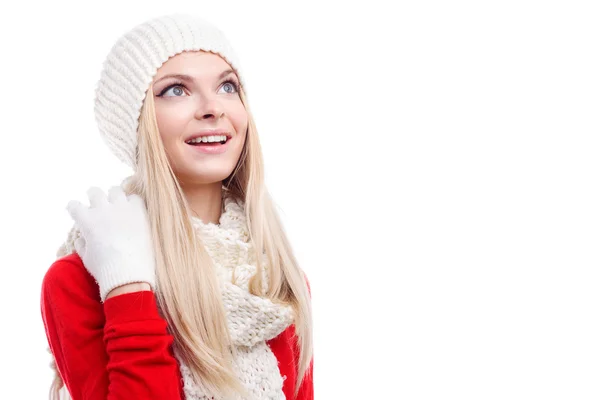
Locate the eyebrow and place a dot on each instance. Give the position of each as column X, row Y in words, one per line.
column 188, row 78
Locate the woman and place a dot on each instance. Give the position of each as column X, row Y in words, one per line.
column 160, row 291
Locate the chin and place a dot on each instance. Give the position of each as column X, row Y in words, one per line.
column 206, row 175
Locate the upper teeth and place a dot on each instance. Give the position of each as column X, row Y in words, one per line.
column 208, row 139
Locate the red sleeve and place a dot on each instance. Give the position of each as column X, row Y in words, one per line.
column 116, row 350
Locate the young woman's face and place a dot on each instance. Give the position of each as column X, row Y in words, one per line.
column 206, row 100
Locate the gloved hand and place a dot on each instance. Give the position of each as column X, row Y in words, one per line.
column 116, row 246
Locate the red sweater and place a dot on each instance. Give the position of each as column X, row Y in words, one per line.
column 120, row 349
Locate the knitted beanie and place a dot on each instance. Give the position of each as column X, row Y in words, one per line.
column 131, row 65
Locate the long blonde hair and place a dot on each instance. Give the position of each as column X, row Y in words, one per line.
column 189, row 297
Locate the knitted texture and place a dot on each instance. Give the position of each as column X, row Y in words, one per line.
column 131, row 65
column 251, row 319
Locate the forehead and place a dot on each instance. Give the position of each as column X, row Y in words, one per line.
column 200, row 64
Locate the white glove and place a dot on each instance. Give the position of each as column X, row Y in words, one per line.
column 116, row 246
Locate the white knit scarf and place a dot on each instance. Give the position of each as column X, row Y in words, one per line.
column 252, row 320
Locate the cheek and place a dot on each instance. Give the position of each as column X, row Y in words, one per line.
column 239, row 118
column 170, row 123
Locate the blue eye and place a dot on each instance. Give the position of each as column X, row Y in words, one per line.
column 234, row 84
column 176, row 86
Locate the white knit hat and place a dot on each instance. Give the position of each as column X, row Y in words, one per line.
column 131, row 65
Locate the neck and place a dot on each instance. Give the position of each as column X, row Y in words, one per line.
column 205, row 201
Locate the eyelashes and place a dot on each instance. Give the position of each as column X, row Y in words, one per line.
column 234, row 83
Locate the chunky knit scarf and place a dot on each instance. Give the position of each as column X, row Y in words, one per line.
column 252, row 320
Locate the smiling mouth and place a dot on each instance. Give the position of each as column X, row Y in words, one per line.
column 208, row 144
column 217, row 147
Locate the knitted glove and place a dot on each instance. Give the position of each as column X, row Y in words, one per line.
column 115, row 244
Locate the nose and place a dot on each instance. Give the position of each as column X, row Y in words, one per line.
column 209, row 107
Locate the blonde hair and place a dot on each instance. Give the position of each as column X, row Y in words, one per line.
column 189, row 297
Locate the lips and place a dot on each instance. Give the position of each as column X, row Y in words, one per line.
column 210, row 148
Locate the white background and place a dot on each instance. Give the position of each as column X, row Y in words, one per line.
column 436, row 164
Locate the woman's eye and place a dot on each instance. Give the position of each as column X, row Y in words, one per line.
column 231, row 85
column 178, row 90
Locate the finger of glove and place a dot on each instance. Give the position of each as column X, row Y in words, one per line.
column 77, row 212
column 116, row 195
column 97, row 197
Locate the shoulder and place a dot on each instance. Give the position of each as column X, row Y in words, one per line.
column 283, row 345
column 67, row 277
column 284, row 349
